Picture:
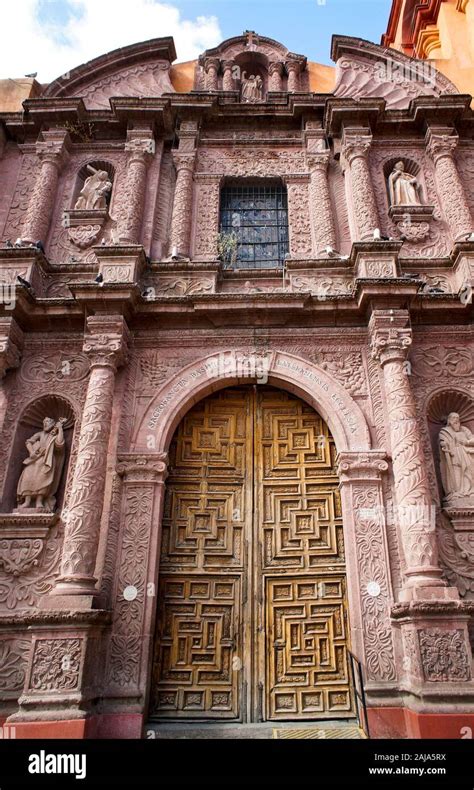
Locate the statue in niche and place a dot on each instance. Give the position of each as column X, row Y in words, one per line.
column 43, row 468
column 252, row 88
column 456, row 449
column 93, row 194
column 403, row 187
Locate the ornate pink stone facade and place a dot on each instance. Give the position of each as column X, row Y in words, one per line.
column 121, row 325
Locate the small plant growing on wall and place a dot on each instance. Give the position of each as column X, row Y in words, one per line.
column 227, row 248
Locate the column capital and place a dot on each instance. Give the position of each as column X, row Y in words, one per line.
column 107, row 341
column 359, row 467
column 53, row 146
column 184, row 161
column 11, row 345
column 140, row 144
column 143, row 468
column 355, row 143
column 211, row 63
column 275, row 67
column 441, row 141
column 318, row 160
column 293, row 66
column 390, row 335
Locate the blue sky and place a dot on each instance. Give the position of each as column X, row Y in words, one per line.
column 57, row 35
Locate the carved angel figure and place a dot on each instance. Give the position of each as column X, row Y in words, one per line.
column 252, row 88
column 456, row 445
column 94, row 193
column 43, row 468
column 403, row 187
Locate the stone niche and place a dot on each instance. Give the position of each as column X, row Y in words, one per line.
column 88, row 216
column 411, row 216
column 29, row 423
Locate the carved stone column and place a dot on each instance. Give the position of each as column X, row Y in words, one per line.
column 140, row 147
column 52, row 150
column 441, row 144
column 355, row 149
column 322, row 221
column 275, row 73
column 11, row 345
column 106, row 344
column 228, row 83
column 211, row 67
column 293, row 68
column 183, row 202
column 391, row 337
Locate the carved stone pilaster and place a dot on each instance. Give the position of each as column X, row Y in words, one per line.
column 207, row 210
column 441, row 144
column 360, row 476
column 275, row 74
column 52, row 150
column 144, row 478
column 11, row 345
column 183, row 201
column 106, row 344
column 211, row 68
column 322, row 221
column 391, row 338
column 355, row 149
column 293, row 68
column 140, row 147
column 228, row 83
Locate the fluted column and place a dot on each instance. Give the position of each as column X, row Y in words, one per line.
column 391, row 337
column 441, row 144
column 211, row 67
column 183, row 202
column 293, row 68
column 228, row 82
column 11, row 345
column 324, row 232
column 105, row 343
column 140, row 150
column 275, row 73
column 355, row 150
column 51, row 149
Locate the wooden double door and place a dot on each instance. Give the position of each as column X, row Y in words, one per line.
column 252, row 617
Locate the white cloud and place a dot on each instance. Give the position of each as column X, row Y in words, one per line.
column 96, row 27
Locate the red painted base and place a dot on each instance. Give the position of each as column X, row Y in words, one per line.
column 404, row 723
column 105, row 726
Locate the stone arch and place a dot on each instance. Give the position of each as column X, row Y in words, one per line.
column 314, row 385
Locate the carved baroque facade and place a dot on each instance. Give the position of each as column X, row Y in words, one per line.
column 129, row 313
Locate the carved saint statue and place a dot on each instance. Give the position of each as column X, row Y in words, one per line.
column 252, row 88
column 94, row 193
column 456, row 450
column 403, row 187
column 43, row 467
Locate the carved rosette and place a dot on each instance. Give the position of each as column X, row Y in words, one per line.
column 144, row 479
column 324, row 232
column 182, row 204
column 140, row 148
column 360, row 477
column 355, row 149
column 51, row 151
column 391, row 338
column 106, row 344
column 441, row 144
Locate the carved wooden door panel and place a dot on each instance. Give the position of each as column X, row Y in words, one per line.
column 252, row 616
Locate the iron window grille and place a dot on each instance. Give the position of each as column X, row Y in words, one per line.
column 258, row 216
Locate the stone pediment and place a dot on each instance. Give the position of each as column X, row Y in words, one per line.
column 138, row 70
column 366, row 70
column 250, row 41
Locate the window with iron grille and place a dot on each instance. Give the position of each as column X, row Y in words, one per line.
column 258, row 216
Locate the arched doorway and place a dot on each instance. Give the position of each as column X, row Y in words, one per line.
column 252, row 619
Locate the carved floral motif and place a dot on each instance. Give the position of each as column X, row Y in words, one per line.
column 444, row 655
column 13, row 662
column 56, row 665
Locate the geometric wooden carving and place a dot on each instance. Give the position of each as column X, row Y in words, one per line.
column 252, row 613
